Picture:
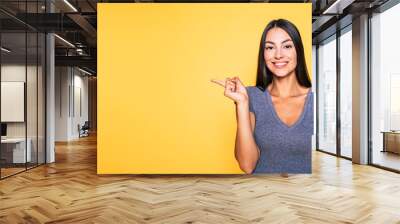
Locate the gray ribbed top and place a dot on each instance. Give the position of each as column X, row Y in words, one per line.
column 283, row 149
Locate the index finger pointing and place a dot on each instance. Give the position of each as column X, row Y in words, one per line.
column 219, row 82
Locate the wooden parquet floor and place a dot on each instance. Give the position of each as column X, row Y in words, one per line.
column 70, row 191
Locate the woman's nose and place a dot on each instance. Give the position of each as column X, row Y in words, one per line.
column 278, row 53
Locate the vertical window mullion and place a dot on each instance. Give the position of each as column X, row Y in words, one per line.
column 317, row 95
column 26, row 86
column 338, row 73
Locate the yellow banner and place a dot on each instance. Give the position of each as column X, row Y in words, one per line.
column 158, row 112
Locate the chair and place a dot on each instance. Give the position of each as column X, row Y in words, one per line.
column 84, row 130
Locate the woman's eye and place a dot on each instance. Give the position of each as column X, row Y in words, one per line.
column 268, row 48
column 288, row 46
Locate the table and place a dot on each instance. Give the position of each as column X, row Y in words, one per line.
column 17, row 150
column 391, row 141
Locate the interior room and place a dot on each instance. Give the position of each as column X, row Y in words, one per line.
column 50, row 120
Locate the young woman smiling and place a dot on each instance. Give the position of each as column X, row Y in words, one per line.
column 275, row 118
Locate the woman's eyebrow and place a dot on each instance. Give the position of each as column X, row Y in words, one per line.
column 270, row 42
column 286, row 40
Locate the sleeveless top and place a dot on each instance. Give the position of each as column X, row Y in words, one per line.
column 283, row 149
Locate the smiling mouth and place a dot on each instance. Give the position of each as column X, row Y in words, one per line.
column 280, row 64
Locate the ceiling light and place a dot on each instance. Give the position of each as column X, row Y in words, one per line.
column 84, row 71
column 5, row 50
column 337, row 7
column 64, row 40
column 70, row 5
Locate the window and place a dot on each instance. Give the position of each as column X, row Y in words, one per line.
column 385, row 89
column 327, row 95
column 346, row 74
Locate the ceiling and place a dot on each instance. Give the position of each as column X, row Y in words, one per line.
column 76, row 22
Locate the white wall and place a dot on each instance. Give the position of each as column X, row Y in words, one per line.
column 71, row 87
column 80, row 83
column 62, row 80
column 15, row 72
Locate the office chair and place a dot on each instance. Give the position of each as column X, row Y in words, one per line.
column 84, row 130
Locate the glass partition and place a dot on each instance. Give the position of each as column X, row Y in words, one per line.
column 32, row 95
column 385, row 89
column 22, row 88
column 346, row 92
column 327, row 95
column 14, row 153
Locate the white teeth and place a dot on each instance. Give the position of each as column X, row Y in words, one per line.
column 280, row 64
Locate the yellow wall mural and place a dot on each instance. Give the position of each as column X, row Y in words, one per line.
column 158, row 112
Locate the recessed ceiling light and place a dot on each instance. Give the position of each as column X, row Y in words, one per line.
column 70, row 5
column 84, row 71
column 337, row 7
column 5, row 50
column 64, row 40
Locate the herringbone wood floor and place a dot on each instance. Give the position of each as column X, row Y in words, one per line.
column 69, row 191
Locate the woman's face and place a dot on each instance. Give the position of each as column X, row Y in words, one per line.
column 279, row 52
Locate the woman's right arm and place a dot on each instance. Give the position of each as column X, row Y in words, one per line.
column 246, row 149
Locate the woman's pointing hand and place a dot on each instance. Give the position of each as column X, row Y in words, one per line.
column 234, row 89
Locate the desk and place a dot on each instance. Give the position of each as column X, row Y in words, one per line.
column 391, row 141
column 17, row 151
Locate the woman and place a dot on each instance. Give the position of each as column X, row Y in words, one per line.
column 275, row 117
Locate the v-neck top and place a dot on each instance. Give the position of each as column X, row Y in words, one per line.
column 283, row 148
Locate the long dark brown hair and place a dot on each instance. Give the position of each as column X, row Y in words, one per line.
column 264, row 75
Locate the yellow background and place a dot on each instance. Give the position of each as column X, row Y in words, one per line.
column 158, row 113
